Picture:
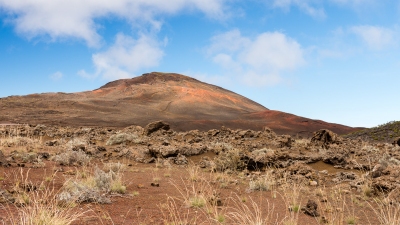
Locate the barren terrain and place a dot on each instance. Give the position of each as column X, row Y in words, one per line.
column 185, row 103
column 167, row 149
column 155, row 175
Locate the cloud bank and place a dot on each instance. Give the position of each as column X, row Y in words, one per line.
column 257, row 61
column 77, row 18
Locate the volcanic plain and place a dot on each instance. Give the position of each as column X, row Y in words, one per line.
column 168, row 149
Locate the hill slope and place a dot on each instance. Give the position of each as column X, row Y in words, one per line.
column 386, row 132
column 184, row 102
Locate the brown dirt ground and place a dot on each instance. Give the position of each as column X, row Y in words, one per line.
column 148, row 207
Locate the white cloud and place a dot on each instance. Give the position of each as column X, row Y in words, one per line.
column 230, row 41
column 273, row 50
column 316, row 8
column 257, row 61
column 353, row 2
column 76, row 18
column 56, row 76
column 310, row 7
column 126, row 57
column 375, row 37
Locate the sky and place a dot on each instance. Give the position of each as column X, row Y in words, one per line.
column 333, row 60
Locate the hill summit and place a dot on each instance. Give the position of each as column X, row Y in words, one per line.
column 183, row 102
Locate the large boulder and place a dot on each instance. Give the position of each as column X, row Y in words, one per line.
column 155, row 126
column 285, row 141
column 325, row 137
column 161, row 151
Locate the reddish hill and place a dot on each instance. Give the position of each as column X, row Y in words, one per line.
column 184, row 102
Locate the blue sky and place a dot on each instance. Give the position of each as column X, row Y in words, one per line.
column 334, row 60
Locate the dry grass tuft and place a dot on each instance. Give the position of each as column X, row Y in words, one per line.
column 229, row 160
column 72, row 158
column 250, row 214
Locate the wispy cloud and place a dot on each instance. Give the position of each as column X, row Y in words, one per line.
column 375, row 37
column 354, row 2
column 310, row 7
column 257, row 61
column 126, row 57
column 56, row 76
column 77, row 18
column 316, row 8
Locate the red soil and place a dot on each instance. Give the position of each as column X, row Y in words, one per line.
column 184, row 102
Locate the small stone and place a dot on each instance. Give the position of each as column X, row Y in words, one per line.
column 313, row 183
column 324, row 171
column 70, row 172
column 311, row 208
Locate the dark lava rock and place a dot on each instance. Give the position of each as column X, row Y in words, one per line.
column 101, row 149
column 311, row 208
column 155, row 184
column 44, row 155
column 180, row 160
column 396, row 141
column 51, row 143
column 285, row 141
column 325, row 137
column 79, row 147
column 155, row 126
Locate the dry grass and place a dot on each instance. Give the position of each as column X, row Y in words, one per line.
column 174, row 214
column 93, row 186
column 229, row 160
column 43, row 209
column 251, row 213
column 18, row 141
column 72, row 158
column 115, row 167
column 38, row 206
column 262, row 183
column 387, row 213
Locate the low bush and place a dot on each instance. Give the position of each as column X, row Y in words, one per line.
column 72, row 158
column 93, row 187
column 17, row 141
column 259, row 184
column 123, row 138
column 229, row 160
